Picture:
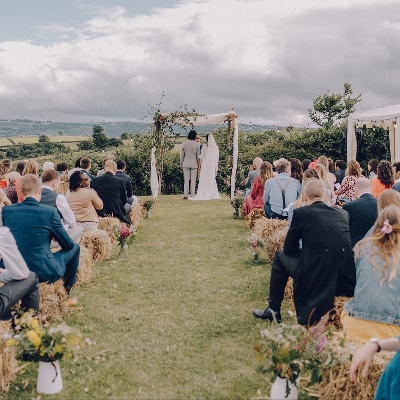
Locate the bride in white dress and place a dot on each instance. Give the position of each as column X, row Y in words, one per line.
column 209, row 158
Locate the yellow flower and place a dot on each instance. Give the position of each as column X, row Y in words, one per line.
column 34, row 338
column 58, row 348
column 34, row 323
column 11, row 342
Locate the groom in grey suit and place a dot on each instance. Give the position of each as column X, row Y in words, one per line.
column 190, row 152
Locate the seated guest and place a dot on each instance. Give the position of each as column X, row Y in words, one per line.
column 121, row 168
column 31, row 167
column 77, row 167
column 373, row 168
column 322, row 268
column 346, row 192
column 86, row 164
column 33, row 226
column 20, row 167
column 100, row 172
column 280, row 191
column 62, row 168
column 48, row 165
column 363, row 211
column 340, row 168
column 306, row 164
column 396, row 172
column 384, row 179
column 64, row 185
column 254, row 172
column 389, row 382
column 255, row 200
column 20, row 283
column 11, row 190
column 374, row 310
column 112, row 192
column 327, row 181
column 5, row 168
column 388, row 198
column 51, row 197
column 84, row 201
column 296, row 170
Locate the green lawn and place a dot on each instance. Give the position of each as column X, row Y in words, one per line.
column 174, row 321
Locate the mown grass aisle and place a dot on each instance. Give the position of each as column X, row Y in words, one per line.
column 174, row 320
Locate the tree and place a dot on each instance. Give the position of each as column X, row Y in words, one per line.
column 335, row 107
column 44, row 139
column 97, row 129
column 85, row 145
column 100, row 139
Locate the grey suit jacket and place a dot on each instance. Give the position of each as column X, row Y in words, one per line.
column 190, row 151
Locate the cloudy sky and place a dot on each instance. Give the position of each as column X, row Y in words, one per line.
column 87, row 60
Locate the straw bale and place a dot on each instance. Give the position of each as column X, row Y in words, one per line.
column 274, row 242
column 336, row 384
column 137, row 214
column 338, row 308
column 8, row 362
column 109, row 224
column 53, row 301
column 98, row 243
column 265, row 227
column 255, row 214
column 85, row 272
column 289, row 289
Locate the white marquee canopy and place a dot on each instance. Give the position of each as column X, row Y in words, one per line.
column 385, row 117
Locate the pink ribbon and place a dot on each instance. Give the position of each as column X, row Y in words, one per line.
column 387, row 228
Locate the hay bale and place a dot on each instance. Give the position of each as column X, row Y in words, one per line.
column 274, row 242
column 8, row 362
column 85, row 272
column 53, row 301
column 338, row 308
column 109, row 224
column 137, row 214
column 336, row 384
column 289, row 289
column 255, row 214
column 98, row 243
column 265, row 227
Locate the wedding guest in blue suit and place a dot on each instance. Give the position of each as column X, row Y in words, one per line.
column 33, row 226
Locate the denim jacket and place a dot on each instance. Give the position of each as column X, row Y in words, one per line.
column 372, row 301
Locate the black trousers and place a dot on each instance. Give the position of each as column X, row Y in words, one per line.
column 283, row 267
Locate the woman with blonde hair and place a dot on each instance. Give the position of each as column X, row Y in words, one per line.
column 31, row 167
column 255, row 199
column 374, row 310
column 384, row 179
column 329, row 188
column 346, row 192
column 5, row 168
column 388, row 198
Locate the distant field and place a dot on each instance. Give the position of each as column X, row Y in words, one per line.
column 35, row 139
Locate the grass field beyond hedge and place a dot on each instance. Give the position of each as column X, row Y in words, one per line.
column 174, row 321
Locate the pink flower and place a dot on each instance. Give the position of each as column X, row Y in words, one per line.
column 321, row 343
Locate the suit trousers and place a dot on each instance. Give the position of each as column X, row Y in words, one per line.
column 189, row 174
column 283, row 267
column 26, row 290
column 68, row 261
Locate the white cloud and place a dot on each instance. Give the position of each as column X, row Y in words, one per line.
column 267, row 59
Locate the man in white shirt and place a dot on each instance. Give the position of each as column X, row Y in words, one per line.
column 50, row 197
column 20, row 283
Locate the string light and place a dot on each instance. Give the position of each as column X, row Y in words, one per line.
column 278, row 129
column 395, row 123
column 250, row 125
column 308, row 127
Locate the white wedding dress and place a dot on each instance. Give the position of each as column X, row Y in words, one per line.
column 207, row 189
